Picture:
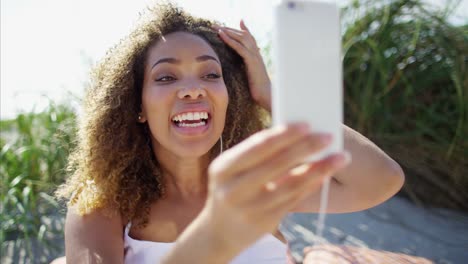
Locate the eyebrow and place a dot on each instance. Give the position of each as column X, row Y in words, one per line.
column 205, row 58
column 176, row 61
column 166, row 60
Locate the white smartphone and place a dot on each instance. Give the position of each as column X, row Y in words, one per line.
column 307, row 68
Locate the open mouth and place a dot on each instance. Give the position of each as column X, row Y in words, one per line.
column 191, row 119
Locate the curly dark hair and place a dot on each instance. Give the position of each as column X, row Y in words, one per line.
column 113, row 165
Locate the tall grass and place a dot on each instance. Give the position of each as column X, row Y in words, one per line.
column 33, row 151
column 406, row 81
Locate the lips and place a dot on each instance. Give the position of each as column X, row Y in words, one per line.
column 191, row 122
column 191, row 119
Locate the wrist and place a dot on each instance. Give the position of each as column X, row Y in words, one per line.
column 201, row 242
column 217, row 239
column 264, row 99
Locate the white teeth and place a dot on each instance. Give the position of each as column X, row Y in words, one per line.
column 190, row 116
column 202, row 123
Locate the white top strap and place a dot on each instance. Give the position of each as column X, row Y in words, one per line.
column 127, row 228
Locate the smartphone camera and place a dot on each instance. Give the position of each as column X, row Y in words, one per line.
column 291, row 5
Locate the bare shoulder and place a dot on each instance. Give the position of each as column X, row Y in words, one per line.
column 96, row 237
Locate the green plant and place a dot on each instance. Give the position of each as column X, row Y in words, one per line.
column 406, row 80
column 33, row 151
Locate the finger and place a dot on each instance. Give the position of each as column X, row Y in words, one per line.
column 235, row 34
column 329, row 166
column 278, row 208
column 216, row 26
column 280, row 164
column 278, row 203
column 243, row 37
column 243, row 32
column 243, row 26
column 256, row 149
column 237, row 46
column 301, row 182
column 234, row 30
column 239, row 31
column 219, row 26
column 240, row 37
column 289, row 194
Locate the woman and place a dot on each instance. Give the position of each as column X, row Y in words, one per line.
column 149, row 182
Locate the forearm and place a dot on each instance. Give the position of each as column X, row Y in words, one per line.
column 263, row 98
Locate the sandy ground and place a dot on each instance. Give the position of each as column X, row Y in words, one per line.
column 396, row 225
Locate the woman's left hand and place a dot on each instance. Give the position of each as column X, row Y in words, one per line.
column 244, row 43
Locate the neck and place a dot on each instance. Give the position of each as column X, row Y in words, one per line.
column 185, row 177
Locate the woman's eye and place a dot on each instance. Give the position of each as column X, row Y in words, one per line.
column 212, row 76
column 165, row 79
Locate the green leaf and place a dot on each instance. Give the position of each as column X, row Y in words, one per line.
column 16, row 180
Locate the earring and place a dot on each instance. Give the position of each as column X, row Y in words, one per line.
column 139, row 117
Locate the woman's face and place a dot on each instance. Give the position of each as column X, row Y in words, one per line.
column 184, row 98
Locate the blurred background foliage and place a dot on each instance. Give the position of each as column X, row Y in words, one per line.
column 33, row 151
column 405, row 81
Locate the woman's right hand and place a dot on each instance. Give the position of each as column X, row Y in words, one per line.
column 254, row 184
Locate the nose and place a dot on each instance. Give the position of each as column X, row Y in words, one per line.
column 191, row 91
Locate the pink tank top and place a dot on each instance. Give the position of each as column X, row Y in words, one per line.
column 267, row 250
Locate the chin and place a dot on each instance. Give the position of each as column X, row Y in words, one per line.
column 193, row 150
